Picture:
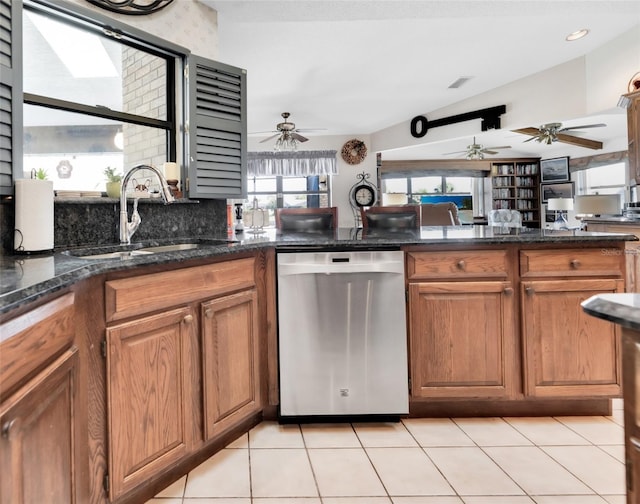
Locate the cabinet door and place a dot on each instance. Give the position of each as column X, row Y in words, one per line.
column 149, row 390
column 568, row 353
column 230, row 360
column 633, row 134
column 631, row 387
column 39, row 439
column 462, row 339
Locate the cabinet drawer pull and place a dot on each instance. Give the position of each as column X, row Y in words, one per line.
column 508, row 291
column 6, row 428
column 574, row 263
column 461, row 264
column 208, row 313
column 187, row 319
column 530, row 291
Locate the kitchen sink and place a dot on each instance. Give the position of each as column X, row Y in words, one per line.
column 171, row 248
column 121, row 254
column 116, row 252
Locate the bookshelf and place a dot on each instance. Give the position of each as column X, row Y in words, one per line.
column 515, row 185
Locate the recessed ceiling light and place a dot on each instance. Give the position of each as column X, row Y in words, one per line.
column 576, row 35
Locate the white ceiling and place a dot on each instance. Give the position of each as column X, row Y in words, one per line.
column 358, row 67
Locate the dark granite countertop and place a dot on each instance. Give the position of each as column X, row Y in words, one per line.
column 612, row 220
column 26, row 278
column 623, row 308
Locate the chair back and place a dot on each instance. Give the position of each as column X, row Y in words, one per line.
column 306, row 219
column 439, row 214
column 391, row 217
column 505, row 218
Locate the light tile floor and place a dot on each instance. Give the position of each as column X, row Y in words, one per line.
column 559, row 460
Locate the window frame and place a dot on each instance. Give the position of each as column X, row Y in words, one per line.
column 176, row 58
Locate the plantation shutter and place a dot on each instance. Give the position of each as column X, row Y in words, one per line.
column 10, row 95
column 217, row 130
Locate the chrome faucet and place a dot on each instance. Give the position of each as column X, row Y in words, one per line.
column 127, row 229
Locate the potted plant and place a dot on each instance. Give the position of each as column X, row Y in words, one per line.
column 114, row 180
column 40, row 174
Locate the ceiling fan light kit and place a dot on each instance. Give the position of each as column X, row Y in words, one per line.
column 554, row 132
column 286, row 134
column 476, row 151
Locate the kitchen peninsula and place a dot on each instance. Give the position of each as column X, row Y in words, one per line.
column 148, row 364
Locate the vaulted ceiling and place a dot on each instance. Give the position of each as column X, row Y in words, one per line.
column 360, row 67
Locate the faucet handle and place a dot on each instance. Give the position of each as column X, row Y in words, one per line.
column 132, row 226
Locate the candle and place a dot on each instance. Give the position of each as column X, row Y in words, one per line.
column 171, row 171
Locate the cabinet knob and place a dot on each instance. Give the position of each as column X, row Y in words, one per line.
column 461, row 264
column 530, row 291
column 208, row 313
column 187, row 319
column 574, row 263
column 6, row 428
column 508, row 291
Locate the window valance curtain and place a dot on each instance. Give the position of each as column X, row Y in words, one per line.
column 292, row 164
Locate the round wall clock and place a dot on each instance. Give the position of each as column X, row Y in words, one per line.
column 364, row 195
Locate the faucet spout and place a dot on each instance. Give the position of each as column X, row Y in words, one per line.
column 127, row 229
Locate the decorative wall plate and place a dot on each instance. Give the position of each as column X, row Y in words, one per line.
column 354, row 151
column 131, row 7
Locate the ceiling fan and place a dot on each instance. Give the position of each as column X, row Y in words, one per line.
column 287, row 134
column 554, row 132
column 477, row 151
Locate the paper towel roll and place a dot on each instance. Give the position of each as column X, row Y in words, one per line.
column 34, row 215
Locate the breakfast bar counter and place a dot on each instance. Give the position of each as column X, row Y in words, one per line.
column 25, row 278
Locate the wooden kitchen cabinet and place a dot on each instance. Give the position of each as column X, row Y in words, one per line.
column 633, row 134
column 42, row 428
column 182, row 366
column 566, row 353
column 230, row 360
column 452, row 355
column 149, row 391
column 631, row 387
column 39, row 432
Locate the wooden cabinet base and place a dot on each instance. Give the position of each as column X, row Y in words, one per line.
column 484, row 408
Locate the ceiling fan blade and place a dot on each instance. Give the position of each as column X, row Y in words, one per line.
column 499, row 147
column 270, row 138
column 298, row 137
column 456, row 152
column 580, row 142
column 527, row 131
column 487, row 151
column 262, row 132
column 584, row 126
column 309, row 130
column 530, row 139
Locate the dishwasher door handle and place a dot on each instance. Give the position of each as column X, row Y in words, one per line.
column 341, row 267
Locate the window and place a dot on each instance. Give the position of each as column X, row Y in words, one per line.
column 289, row 192
column 606, row 179
column 461, row 189
column 93, row 98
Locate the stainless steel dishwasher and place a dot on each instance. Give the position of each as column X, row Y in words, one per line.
column 342, row 333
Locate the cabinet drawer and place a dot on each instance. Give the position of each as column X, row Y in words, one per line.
column 457, row 264
column 156, row 291
column 33, row 339
column 572, row 262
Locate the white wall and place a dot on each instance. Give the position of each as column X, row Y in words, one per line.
column 341, row 183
